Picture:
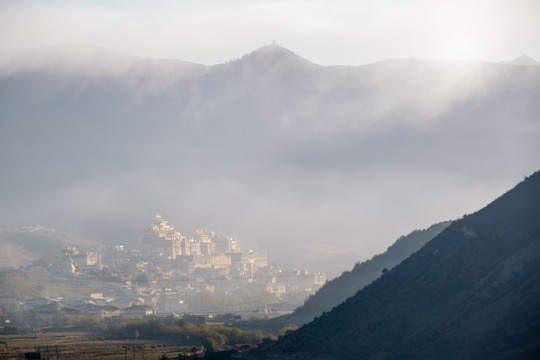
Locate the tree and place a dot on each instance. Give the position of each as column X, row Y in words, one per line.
column 209, row 348
column 14, row 307
column 287, row 329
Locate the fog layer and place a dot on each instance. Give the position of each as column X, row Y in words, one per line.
column 311, row 163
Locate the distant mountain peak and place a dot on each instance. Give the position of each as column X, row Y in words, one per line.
column 274, row 53
column 523, row 60
column 273, row 49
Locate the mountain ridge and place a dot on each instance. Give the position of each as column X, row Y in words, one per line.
column 523, row 60
column 264, row 54
column 90, row 61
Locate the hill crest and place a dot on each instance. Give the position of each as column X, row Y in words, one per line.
column 523, row 60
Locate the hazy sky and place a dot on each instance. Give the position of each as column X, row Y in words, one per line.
column 348, row 32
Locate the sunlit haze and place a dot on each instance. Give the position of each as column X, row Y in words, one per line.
column 337, row 32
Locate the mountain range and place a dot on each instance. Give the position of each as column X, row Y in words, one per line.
column 287, row 155
column 473, row 292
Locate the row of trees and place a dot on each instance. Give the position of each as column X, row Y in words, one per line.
column 188, row 334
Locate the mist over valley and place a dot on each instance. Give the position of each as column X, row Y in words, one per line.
column 302, row 160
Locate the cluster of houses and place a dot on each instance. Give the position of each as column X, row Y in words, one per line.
column 204, row 261
column 171, row 274
column 20, row 314
column 40, row 313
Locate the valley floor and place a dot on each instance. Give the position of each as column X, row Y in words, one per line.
column 86, row 346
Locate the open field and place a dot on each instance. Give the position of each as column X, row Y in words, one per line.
column 82, row 345
column 32, row 283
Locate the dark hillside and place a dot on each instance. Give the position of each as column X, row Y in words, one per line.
column 347, row 284
column 473, row 292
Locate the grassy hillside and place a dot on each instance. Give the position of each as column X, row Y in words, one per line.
column 22, row 245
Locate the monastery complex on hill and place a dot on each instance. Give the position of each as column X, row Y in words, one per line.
column 203, row 249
